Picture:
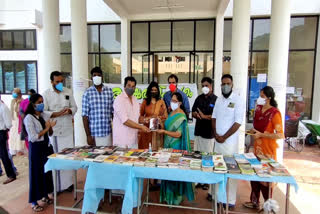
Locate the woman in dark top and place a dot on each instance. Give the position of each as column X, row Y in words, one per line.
column 40, row 183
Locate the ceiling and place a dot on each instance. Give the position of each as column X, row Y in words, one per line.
column 166, row 9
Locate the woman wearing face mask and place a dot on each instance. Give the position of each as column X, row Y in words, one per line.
column 16, row 145
column 152, row 107
column 40, row 183
column 176, row 136
column 267, row 129
column 23, row 107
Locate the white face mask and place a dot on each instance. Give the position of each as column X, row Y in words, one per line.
column 261, row 101
column 97, row 80
column 205, row 90
column 174, row 106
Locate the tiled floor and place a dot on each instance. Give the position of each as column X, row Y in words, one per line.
column 304, row 166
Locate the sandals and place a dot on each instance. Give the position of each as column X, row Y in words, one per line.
column 47, row 201
column 37, row 208
column 250, row 205
column 205, row 186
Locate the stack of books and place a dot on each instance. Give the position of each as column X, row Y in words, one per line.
column 246, row 169
column 254, row 162
column 278, row 169
column 264, row 171
column 173, row 162
column 184, row 163
column 207, row 163
column 219, row 164
column 232, row 165
column 240, row 158
column 195, row 164
column 151, row 162
column 264, row 159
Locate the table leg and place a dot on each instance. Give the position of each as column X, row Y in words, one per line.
column 54, row 175
column 213, row 193
column 227, row 202
column 139, row 187
column 287, row 199
column 75, row 185
column 148, row 181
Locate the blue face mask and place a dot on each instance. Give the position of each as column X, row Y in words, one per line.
column 39, row 107
column 29, row 97
column 14, row 95
column 59, row 86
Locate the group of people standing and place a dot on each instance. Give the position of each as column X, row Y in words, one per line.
column 48, row 123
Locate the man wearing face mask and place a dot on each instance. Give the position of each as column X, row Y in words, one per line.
column 97, row 111
column 173, row 87
column 227, row 117
column 202, row 111
column 126, row 117
column 59, row 103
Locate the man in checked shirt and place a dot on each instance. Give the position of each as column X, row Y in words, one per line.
column 97, row 110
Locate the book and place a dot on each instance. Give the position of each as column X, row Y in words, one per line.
column 184, row 163
column 65, row 152
column 246, row 169
column 100, row 158
column 81, row 156
column 218, row 158
column 277, row 165
column 254, row 162
column 264, row 171
column 128, row 154
column 54, row 155
column 111, row 159
column 279, row 172
column 264, row 159
column 154, row 124
column 240, row 159
column 220, row 167
column 151, row 162
column 120, row 160
column 145, row 154
column 140, row 161
column 173, row 162
column 207, row 163
column 195, row 164
column 91, row 157
column 129, row 161
column 232, row 165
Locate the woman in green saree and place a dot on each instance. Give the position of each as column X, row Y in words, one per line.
column 177, row 137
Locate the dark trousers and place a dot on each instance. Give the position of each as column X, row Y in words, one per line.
column 4, row 154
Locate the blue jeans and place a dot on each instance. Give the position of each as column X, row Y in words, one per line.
column 14, row 168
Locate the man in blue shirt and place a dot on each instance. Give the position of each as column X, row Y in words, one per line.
column 97, row 111
column 173, row 86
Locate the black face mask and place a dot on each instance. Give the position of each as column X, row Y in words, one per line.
column 227, row 95
column 154, row 94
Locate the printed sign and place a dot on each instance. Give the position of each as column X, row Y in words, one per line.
column 140, row 93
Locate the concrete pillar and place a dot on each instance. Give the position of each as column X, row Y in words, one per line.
column 278, row 56
column 316, row 87
column 79, row 39
column 51, row 43
column 239, row 54
column 125, row 48
column 218, row 54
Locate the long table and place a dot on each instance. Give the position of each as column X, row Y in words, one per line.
column 102, row 176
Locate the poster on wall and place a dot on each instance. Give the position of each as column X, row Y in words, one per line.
column 140, row 93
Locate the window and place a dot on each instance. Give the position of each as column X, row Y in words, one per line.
column 18, row 74
column 18, row 40
column 301, row 65
column 181, row 47
column 104, row 50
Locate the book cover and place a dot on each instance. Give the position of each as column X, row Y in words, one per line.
column 111, row 158
column 232, row 165
column 246, row 169
column 154, row 124
column 100, row 158
column 207, row 161
column 240, row 158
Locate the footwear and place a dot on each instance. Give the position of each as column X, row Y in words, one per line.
column 205, row 186
column 37, row 208
column 47, row 200
column 70, row 188
column 231, row 206
column 9, row 180
column 209, row 197
column 199, row 185
column 250, row 205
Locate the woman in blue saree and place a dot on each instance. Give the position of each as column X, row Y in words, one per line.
column 177, row 137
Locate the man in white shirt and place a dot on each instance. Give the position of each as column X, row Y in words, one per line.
column 5, row 125
column 227, row 118
column 59, row 103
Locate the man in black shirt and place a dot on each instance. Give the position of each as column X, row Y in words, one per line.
column 202, row 111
